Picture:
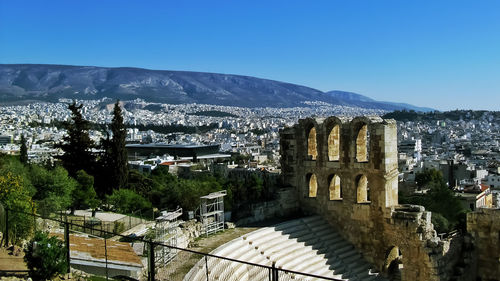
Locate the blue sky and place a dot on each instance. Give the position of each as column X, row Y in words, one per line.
column 441, row 54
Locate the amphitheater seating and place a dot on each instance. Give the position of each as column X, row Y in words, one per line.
column 308, row 245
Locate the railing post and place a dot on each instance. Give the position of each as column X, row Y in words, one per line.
column 6, row 227
column 206, row 266
column 66, row 240
column 274, row 274
column 106, row 257
column 151, row 261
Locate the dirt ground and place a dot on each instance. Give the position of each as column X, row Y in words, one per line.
column 11, row 262
column 184, row 261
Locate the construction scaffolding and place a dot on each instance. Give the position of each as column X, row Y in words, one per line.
column 166, row 233
column 212, row 212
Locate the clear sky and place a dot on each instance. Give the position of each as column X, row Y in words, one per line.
column 441, row 54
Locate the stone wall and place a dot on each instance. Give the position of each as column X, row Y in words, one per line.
column 367, row 212
column 484, row 227
column 284, row 206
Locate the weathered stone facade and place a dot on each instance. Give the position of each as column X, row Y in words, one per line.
column 346, row 170
column 484, row 227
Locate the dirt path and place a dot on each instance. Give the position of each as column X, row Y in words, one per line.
column 184, row 261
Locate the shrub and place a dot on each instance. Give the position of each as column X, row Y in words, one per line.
column 45, row 256
column 118, row 227
column 441, row 224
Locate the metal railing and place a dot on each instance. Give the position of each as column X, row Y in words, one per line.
column 207, row 267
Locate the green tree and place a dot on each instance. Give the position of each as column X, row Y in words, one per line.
column 118, row 151
column 164, row 188
column 443, row 200
column 103, row 182
column 15, row 197
column 441, row 224
column 127, row 201
column 447, row 210
column 140, row 183
column 23, row 152
column 53, row 189
column 84, row 195
column 11, row 164
column 426, row 177
column 77, row 145
column 45, row 257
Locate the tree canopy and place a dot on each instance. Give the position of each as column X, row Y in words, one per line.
column 84, row 195
column 77, row 145
column 15, row 196
column 447, row 210
column 119, row 168
column 23, row 151
column 53, row 189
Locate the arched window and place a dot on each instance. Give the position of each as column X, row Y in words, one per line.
column 362, row 143
column 311, row 144
column 334, row 188
column 393, row 264
column 334, row 144
column 313, row 185
column 362, row 189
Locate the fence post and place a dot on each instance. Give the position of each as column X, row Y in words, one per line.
column 151, row 261
column 106, row 257
column 34, row 217
column 206, row 266
column 66, row 240
column 274, row 274
column 6, row 227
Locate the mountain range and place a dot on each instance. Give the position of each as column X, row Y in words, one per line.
column 41, row 82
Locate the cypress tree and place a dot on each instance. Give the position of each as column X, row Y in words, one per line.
column 118, row 151
column 77, row 144
column 104, row 182
column 23, row 152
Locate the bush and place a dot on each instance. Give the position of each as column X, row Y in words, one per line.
column 45, row 256
column 118, row 227
column 441, row 224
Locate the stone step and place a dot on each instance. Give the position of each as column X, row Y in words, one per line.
column 308, row 245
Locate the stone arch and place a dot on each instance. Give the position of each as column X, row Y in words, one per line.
column 334, row 143
column 334, row 188
column 312, row 183
column 362, row 143
column 312, row 143
column 393, row 263
column 362, row 189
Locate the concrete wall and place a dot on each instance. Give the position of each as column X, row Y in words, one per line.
column 375, row 226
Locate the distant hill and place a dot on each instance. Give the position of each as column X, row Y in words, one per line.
column 29, row 82
column 454, row 115
column 366, row 102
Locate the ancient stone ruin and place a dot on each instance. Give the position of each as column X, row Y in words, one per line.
column 346, row 170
